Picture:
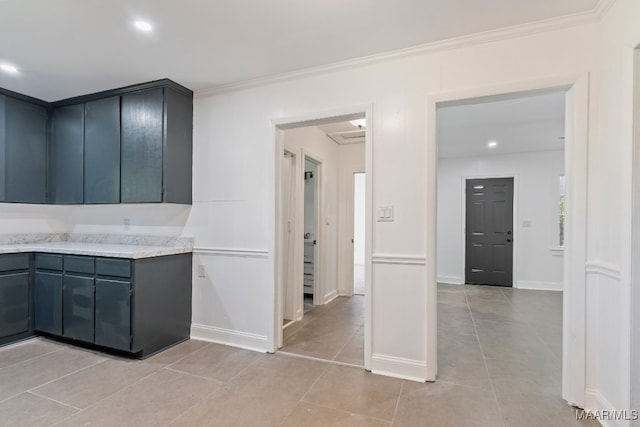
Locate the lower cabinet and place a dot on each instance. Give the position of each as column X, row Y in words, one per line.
column 48, row 302
column 137, row 306
column 113, row 314
column 78, row 307
column 15, row 297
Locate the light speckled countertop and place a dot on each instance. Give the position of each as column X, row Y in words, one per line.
column 132, row 247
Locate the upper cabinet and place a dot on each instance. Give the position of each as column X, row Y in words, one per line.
column 66, row 153
column 156, row 146
column 129, row 145
column 102, row 150
column 23, row 150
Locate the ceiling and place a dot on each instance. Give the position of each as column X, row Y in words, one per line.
column 516, row 123
column 65, row 48
column 344, row 133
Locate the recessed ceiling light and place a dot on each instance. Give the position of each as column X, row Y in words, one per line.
column 492, row 144
column 8, row 68
column 143, row 26
column 359, row 123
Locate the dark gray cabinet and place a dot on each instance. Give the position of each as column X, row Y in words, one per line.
column 127, row 145
column 15, row 307
column 142, row 137
column 156, row 146
column 137, row 306
column 48, row 301
column 78, row 307
column 113, row 313
column 102, row 151
column 23, row 150
column 66, row 154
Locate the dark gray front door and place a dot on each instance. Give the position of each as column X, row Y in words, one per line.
column 489, row 232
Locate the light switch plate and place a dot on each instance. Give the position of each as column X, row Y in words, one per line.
column 384, row 214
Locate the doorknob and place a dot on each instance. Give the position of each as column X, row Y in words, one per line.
column 508, row 240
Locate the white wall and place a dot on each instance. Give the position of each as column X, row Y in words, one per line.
column 536, row 198
column 23, row 218
column 310, row 199
column 351, row 161
column 609, row 211
column 235, row 170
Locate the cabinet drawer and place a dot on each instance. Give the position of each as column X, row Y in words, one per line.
column 14, row 262
column 79, row 264
column 49, row 262
column 113, row 267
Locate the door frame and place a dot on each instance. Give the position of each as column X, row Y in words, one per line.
column 516, row 240
column 576, row 142
column 293, row 252
column 277, row 127
column 319, row 252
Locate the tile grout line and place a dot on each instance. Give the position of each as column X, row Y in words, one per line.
column 484, row 360
column 168, row 368
column 324, row 369
column 395, row 411
column 122, row 389
column 320, row 405
column 53, row 400
column 50, row 381
column 535, row 331
column 346, row 344
column 318, row 359
column 187, row 355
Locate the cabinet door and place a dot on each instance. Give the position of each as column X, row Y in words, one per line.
column 66, row 154
column 3, row 101
column 14, row 303
column 142, row 146
column 78, row 307
column 25, row 151
column 113, row 314
column 102, row 151
column 48, row 302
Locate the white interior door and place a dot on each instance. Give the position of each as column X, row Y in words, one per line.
column 288, row 227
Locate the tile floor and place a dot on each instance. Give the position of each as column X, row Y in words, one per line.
column 499, row 366
column 334, row 331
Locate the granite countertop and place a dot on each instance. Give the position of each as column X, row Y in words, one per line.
column 132, row 247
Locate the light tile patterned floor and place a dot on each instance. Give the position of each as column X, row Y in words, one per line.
column 499, row 366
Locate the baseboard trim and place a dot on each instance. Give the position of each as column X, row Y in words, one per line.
column 595, row 402
column 450, row 280
column 540, row 286
column 331, row 296
column 229, row 337
column 398, row 367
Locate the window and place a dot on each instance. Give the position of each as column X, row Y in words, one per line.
column 561, row 211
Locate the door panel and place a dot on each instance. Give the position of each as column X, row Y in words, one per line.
column 77, row 303
column 14, row 303
column 489, row 236
column 113, row 314
column 48, row 302
column 102, row 151
column 66, row 154
column 142, row 146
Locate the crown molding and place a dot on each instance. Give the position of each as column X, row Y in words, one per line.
column 552, row 24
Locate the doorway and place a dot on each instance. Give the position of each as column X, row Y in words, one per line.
column 326, row 320
column 572, row 347
column 489, row 232
column 359, row 200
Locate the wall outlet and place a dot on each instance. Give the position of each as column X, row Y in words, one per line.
column 126, row 223
column 202, row 272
